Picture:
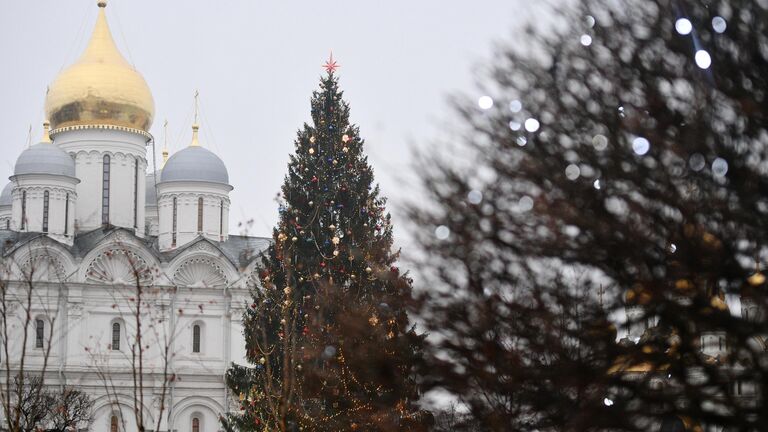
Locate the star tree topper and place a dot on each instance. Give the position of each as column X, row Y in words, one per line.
column 331, row 65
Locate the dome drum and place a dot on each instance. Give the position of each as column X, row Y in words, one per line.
column 44, row 204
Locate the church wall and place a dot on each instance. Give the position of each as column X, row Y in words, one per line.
column 44, row 308
column 151, row 220
column 236, row 334
column 85, row 311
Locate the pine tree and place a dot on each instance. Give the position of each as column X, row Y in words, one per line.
column 328, row 333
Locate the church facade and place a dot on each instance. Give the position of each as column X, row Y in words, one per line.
column 126, row 273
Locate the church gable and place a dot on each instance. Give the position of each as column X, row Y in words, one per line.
column 201, row 265
column 199, row 272
column 120, row 258
column 39, row 259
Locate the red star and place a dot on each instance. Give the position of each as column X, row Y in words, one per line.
column 331, row 66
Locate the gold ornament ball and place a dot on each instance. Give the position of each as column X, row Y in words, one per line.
column 345, row 138
column 368, row 269
column 345, row 149
column 262, row 360
column 294, row 238
column 312, row 139
column 335, row 253
column 311, row 151
column 332, row 227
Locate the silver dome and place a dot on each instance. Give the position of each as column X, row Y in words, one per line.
column 6, row 197
column 195, row 164
column 150, row 195
column 45, row 158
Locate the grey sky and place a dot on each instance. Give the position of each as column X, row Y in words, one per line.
column 255, row 64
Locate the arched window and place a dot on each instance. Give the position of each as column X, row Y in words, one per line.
column 136, row 193
column 105, row 191
column 200, row 215
column 116, row 336
column 113, row 424
column 39, row 333
column 46, row 200
column 195, row 424
column 221, row 221
column 175, row 215
column 23, row 209
column 66, row 215
column 196, row 338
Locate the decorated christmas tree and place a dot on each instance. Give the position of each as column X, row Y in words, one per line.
column 327, row 334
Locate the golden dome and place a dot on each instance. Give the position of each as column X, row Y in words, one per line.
column 101, row 88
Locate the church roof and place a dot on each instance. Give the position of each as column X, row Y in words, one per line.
column 239, row 250
column 100, row 88
column 6, row 196
column 45, row 158
column 195, row 163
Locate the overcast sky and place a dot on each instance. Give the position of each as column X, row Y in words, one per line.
column 256, row 64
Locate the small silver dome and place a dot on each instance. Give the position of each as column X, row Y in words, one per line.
column 150, row 195
column 195, row 163
column 6, row 197
column 45, row 158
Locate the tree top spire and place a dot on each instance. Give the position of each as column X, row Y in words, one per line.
column 331, row 65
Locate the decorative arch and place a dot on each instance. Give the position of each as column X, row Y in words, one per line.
column 105, row 406
column 119, row 266
column 200, row 272
column 44, row 260
column 43, row 268
column 206, row 408
column 119, row 259
column 202, row 265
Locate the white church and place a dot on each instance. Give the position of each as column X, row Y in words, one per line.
column 95, row 238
